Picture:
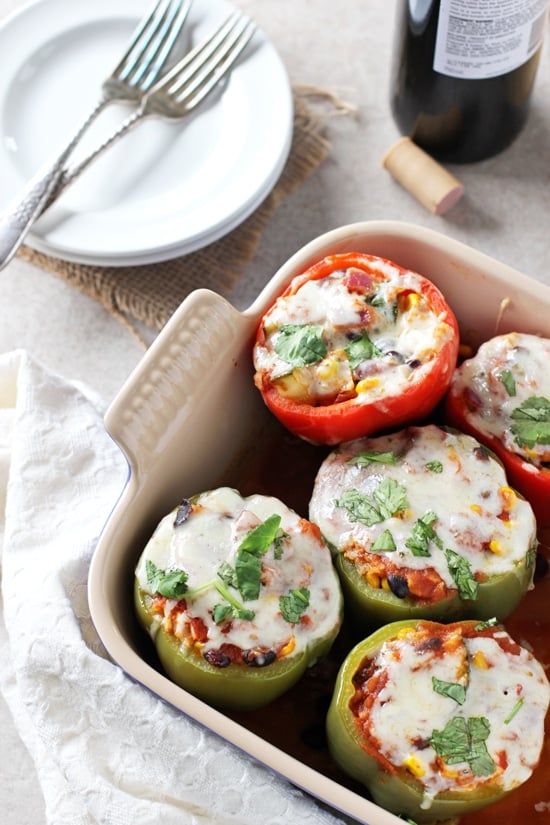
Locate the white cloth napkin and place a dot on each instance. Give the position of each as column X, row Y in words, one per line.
column 106, row 750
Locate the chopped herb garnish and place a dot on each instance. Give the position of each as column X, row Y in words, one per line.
column 227, row 575
column 385, row 543
column 366, row 457
column 388, row 498
column 434, row 466
column 450, row 689
column 463, row 740
column 489, row 623
column 517, row 707
column 233, row 609
column 301, row 344
column 422, row 534
column 248, row 563
column 509, row 382
column 361, row 349
column 461, row 571
column 170, row 583
column 532, row 422
column 278, row 544
column 294, row 604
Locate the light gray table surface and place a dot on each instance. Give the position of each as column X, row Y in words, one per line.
column 343, row 47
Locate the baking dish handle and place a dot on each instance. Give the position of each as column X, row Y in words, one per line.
column 163, row 397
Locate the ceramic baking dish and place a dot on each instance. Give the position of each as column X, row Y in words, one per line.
column 189, row 416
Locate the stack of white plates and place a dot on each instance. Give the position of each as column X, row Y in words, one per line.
column 167, row 188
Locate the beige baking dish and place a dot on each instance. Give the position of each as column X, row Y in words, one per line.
column 189, row 412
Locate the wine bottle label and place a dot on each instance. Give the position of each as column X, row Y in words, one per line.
column 478, row 39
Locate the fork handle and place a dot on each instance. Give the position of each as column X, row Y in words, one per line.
column 23, row 211
column 69, row 176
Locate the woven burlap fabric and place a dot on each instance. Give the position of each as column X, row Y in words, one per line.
column 151, row 293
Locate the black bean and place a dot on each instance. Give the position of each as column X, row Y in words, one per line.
column 183, row 512
column 217, row 659
column 398, row 585
column 258, row 658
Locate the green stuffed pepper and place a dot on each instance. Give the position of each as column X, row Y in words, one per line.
column 423, row 524
column 239, row 596
column 432, row 718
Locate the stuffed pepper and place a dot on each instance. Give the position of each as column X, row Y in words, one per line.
column 502, row 397
column 423, row 523
column 239, row 596
column 355, row 344
column 437, row 720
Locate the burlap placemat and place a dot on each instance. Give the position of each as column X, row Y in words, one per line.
column 152, row 292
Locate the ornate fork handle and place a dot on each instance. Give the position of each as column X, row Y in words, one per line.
column 18, row 217
column 68, row 176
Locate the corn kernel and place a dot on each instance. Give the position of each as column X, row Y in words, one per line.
column 385, row 584
column 495, row 547
column 289, row 647
column 366, row 384
column 480, row 661
column 508, row 496
column 476, row 508
column 373, row 579
column 414, row 765
column 327, row 369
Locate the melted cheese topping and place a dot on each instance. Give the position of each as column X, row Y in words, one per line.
column 447, row 480
column 502, row 683
column 507, row 371
column 209, row 538
column 388, row 305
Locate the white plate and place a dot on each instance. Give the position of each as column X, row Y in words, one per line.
column 167, row 188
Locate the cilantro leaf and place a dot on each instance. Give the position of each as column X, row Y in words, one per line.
column 450, row 689
column 385, row 543
column 221, row 612
column 233, row 608
column 463, row 740
column 488, row 623
column 248, row 563
column 361, row 349
column 300, row 344
column 532, row 422
column 508, row 382
column 260, row 538
column 170, row 583
column 434, row 466
column 461, row 571
column 366, row 457
column 294, row 604
column 227, row 575
column 388, row 498
column 422, row 534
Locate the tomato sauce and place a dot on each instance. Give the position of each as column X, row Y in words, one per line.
column 285, row 467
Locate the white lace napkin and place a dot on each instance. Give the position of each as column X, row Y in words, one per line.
column 106, row 750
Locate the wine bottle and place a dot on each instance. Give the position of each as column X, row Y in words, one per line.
column 463, row 73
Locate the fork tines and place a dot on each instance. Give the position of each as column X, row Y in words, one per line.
column 152, row 42
column 196, row 75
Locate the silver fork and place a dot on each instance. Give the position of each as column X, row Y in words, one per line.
column 135, row 74
column 181, row 90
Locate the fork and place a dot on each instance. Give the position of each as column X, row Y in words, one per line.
column 181, row 90
column 135, row 74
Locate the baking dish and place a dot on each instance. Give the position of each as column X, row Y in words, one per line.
column 189, row 418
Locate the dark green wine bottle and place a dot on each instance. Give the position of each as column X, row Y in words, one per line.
column 463, row 73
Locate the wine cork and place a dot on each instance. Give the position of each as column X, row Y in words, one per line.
column 422, row 176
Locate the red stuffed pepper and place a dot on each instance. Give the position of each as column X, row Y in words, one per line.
column 353, row 345
column 502, row 397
